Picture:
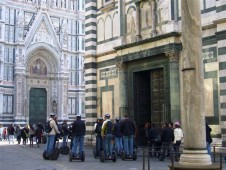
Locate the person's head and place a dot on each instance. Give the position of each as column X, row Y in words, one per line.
column 177, row 125
column 126, row 115
column 107, row 116
column 166, row 124
column 117, row 119
column 171, row 124
column 52, row 115
column 78, row 117
column 65, row 120
column 100, row 119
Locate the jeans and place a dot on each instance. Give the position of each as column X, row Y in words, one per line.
column 11, row 138
column 77, row 140
column 108, row 144
column 128, row 144
column 99, row 144
column 176, row 148
column 118, row 144
column 50, row 144
column 64, row 143
column 208, row 147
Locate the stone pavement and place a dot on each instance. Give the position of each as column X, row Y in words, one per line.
column 17, row 157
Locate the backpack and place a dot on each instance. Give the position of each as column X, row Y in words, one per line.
column 48, row 127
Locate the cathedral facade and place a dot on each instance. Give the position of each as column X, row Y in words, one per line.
column 134, row 61
column 41, row 60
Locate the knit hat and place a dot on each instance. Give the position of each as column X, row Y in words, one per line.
column 177, row 123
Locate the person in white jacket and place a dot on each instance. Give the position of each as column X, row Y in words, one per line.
column 178, row 135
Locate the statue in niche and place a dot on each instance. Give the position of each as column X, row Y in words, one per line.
column 54, row 106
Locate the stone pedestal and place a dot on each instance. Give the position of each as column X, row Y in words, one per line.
column 180, row 167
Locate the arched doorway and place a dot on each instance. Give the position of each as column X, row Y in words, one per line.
column 37, row 105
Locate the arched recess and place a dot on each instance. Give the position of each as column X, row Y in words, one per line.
column 131, row 24
column 100, row 30
column 108, row 27
column 116, row 24
column 146, row 15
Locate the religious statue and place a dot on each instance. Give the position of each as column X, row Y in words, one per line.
column 54, row 106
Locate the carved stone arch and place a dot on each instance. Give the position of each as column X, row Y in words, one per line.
column 146, row 14
column 116, row 26
column 48, row 51
column 108, row 27
column 100, row 30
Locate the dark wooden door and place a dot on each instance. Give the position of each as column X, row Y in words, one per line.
column 37, row 105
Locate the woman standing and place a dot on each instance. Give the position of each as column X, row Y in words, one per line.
column 31, row 135
column 178, row 135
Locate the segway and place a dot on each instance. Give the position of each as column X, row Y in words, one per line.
column 64, row 150
column 53, row 156
column 103, row 157
column 124, row 156
column 76, row 157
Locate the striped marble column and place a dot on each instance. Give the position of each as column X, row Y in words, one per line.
column 90, row 65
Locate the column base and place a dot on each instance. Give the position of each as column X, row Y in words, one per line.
column 195, row 158
column 215, row 166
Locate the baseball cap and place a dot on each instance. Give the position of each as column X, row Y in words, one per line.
column 107, row 115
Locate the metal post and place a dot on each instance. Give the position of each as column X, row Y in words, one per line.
column 148, row 159
column 143, row 159
column 214, row 153
column 220, row 161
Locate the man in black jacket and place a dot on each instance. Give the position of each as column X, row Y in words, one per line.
column 78, row 130
column 128, row 130
column 167, row 141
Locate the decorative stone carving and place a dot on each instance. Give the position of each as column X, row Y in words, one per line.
column 121, row 66
column 173, row 56
column 65, row 33
column 43, row 35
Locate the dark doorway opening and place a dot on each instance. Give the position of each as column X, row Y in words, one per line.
column 148, row 101
column 38, row 106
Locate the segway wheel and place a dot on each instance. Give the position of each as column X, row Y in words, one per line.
column 64, row 150
column 55, row 154
column 102, row 157
column 123, row 155
column 70, row 156
column 44, row 156
column 135, row 156
column 114, row 155
column 95, row 153
column 83, row 156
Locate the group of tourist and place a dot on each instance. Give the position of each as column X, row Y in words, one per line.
column 28, row 133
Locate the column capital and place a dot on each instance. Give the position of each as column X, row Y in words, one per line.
column 121, row 66
column 173, row 55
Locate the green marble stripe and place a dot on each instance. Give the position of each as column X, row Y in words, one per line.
column 223, row 105
column 91, row 32
column 90, row 65
column 222, row 51
column 91, row 8
column 222, row 65
column 89, row 1
column 222, row 79
column 90, row 106
column 90, row 40
column 90, row 115
column 92, row 47
column 221, row 8
column 90, row 16
column 223, row 117
column 91, row 90
column 211, row 74
column 91, row 98
column 209, row 40
column 223, row 131
column 91, row 82
column 222, row 92
column 91, row 24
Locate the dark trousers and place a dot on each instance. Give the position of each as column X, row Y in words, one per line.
column 165, row 146
column 176, row 148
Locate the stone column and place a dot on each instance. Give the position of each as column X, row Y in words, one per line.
column 138, row 34
column 174, row 91
column 153, row 10
column 122, row 88
column 193, row 120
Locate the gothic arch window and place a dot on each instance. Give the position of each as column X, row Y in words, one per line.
column 100, row 30
column 115, row 24
column 108, row 28
column 38, row 67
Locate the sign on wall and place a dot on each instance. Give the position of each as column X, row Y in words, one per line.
column 108, row 73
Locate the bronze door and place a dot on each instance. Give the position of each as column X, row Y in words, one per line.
column 38, row 105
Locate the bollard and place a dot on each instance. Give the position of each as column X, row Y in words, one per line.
column 214, row 153
column 220, row 161
column 143, row 159
column 148, row 160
